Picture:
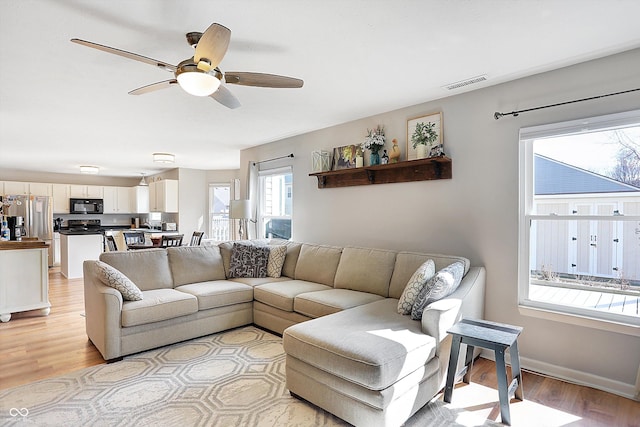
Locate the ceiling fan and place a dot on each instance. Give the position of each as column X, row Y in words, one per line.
column 200, row 74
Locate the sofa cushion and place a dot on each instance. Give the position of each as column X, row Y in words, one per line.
column 371, row 345
column 439, row 286
column 218, row 293
column 148, row 269
column 366, row 270
column 248, row 261
column 418, row 281
column 157, row 305
column 291, row 259
column 318, row 263
column 277, row 255
column 255, row 281
column 193, row 264
column 321, row 303
column 408, row 262
column 281, row 294
column 116, row 280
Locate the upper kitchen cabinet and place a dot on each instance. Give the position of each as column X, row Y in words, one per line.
column 61, row 198
column 117, row 200
column 40, row 189
column 163, row 196
column 14, row 187
column 86, row 191
column 140, row 199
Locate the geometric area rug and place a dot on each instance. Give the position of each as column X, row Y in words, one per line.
column 233, row 378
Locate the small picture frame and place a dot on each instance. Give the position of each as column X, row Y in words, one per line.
column 344, row 157
column 436, row 148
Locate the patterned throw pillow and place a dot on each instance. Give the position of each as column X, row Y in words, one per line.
column 439, row 286
column 115, row 279
column 415, row 285
column 276, row 260
column 248, row 261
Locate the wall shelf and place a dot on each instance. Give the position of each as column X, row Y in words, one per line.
column 407, row 171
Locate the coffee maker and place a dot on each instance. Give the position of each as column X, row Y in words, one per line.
column 16, row 227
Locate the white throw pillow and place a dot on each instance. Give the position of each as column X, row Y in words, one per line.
column 276, row 260
column 115, row 279
column 439, row 286
column 415, row 285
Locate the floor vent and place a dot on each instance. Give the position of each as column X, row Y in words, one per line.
column 467, row 82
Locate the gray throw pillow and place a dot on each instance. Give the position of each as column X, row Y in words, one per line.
column 414, row 286
column 439, row 286
column 114, row 278
column 248, row 261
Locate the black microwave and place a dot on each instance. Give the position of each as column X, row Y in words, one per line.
column 86, row 206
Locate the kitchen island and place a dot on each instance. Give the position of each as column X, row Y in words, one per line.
column 24, row 281
column 75, row 249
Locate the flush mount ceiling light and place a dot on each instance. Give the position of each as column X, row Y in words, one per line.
column 164, row 158
column 89, row 169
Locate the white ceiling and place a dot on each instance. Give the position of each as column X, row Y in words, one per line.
column 63, row 105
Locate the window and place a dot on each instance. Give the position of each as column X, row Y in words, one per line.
column 276, row 203
column 579, row 234
column 219, row 197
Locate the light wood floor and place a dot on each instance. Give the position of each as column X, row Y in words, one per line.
column 35, row 347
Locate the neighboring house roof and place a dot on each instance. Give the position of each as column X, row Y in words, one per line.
column 554, row 177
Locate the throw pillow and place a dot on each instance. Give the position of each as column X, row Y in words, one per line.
column 117, row 280
column 415, row 285
column 439, row 286
column 276, row 260
column 248, row 261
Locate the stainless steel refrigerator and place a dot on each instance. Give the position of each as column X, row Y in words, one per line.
column 37, row 212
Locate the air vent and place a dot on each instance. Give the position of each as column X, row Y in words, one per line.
column 467, row 82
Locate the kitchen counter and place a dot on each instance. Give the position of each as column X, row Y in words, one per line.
column 75, row 249
column 26, row 243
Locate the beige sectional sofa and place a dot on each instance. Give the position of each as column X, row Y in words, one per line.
column 348, row 350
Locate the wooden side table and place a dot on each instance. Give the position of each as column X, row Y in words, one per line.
column 492, row 336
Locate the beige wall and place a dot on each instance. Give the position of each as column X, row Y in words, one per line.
column 475, row 214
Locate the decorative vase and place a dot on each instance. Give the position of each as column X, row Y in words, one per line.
column 421, row 151
column 374, row 159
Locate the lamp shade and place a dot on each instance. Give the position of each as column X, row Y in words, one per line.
column 198, row 83
column 240, row 209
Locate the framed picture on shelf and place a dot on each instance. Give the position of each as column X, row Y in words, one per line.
column 344, row 157
column 430, row 131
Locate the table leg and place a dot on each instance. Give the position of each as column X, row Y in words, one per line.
column 453, row 364
column 516, row 372
column 503, row 386
column 468, row 364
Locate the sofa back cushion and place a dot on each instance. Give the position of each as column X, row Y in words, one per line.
column 148, row 269
column 291, row 258
column 366, row 270
column 193, row 264
column 408, row 262
column 318, row 263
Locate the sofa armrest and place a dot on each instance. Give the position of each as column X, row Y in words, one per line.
column 103, row 309
column 440, row 316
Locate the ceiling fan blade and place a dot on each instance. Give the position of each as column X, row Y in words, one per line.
column 153, row 87
column 129, row 55
column 225, row 97
column 213, row 44
column 261, row 80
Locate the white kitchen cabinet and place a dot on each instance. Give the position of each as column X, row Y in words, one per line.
column 15, row 187
column 140, row 199
column 61, row 198
column 25, row 282
column 56, row 249
column 86, row 191
column 163, row 196
column 40, row 189
column 117, row 200
column 75, row 249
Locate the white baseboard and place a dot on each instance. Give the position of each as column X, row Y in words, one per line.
column 571, row 376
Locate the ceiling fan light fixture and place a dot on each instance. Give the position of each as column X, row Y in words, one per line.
column 198, row 82
column 164, row 158
column 89, row 169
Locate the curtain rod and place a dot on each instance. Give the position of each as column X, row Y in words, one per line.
column 275, row 158
column 497, row 115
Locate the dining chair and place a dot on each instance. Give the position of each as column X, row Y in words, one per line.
column 111, row 243
column 172, row 240
column 134, row 238
column 196, row 238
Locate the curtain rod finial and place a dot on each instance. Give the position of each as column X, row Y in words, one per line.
column 497, row 115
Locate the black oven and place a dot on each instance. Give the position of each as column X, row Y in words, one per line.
column 86, row 206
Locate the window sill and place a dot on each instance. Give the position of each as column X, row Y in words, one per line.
column 549, row 313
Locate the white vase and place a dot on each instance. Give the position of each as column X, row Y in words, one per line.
column 359, row 161
column 421, row 151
